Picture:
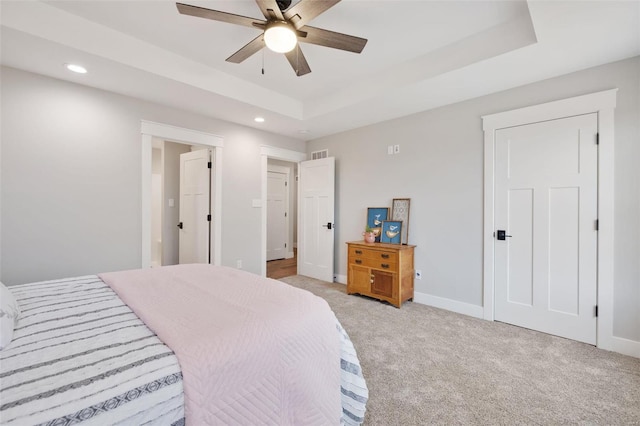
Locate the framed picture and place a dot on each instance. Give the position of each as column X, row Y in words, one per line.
column 400, row 211
column 391, row 231
column 375, row 217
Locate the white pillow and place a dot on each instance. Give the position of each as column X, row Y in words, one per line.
column 9, row 313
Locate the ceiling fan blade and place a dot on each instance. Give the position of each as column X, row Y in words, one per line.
column 304, row 11
column 298, row 61
column 216, row 15
column 247, row 50
column 270, row 9
column 332, row 39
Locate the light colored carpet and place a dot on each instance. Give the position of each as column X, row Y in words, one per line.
column 425, row 365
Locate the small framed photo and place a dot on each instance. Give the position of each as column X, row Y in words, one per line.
column 375, row 217
column 400, row 211
column 391, row 232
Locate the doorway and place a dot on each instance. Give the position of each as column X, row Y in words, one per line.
column 283, row 158
column 281, row 206
column 181, row 206
column 280, row 210
column 180, row 137
column 315, row 214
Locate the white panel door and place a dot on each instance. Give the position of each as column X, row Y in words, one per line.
column 546, row 202
column 277, row 234
column 195, row 182
column 315, row 225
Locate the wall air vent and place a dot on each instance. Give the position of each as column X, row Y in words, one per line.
column 317, row 155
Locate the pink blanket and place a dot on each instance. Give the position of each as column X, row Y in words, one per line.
column 252, row 350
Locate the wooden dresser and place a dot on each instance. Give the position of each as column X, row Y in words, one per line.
column 379, row 270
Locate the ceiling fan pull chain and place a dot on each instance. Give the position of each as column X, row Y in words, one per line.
column 262, row 61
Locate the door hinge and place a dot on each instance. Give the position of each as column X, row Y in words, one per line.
column 597, row 138
column 597, row 224
column 596, row 310
column 285, row 214
column 285, row 245
column 208, row 218
column 285, row 183
column 209, row 165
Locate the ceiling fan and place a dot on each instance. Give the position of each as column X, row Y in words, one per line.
column 283, row 29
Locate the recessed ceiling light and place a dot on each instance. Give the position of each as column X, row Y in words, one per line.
column 259, row 119
column 76, row 68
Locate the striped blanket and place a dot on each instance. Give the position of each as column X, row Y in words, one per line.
column 79, row 354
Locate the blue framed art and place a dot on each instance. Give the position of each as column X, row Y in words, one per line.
column 375, row 217
column 391, row 232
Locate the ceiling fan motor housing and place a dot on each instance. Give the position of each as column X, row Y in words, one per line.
column 283, row 4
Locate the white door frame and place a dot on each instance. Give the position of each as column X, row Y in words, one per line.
column 603, row 103
column 149, row 130
column 267, row 152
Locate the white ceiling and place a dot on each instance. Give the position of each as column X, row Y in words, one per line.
column 420, row 54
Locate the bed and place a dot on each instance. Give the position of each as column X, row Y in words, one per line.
column 193, row 344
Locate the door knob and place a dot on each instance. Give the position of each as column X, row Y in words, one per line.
column 180, row 225
column 502, row 235
column 328, row 225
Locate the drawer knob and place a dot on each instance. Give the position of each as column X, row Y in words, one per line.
column 384, row 255
column 385, row 265
column 358, row 251
column 359, row 261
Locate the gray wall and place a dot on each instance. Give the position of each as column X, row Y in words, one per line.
column 70, row 176
column 440, row 167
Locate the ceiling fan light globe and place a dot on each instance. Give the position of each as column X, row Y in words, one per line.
column 280, row 38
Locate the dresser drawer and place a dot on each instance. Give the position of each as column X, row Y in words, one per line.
column 374, row 263
column 376, row 255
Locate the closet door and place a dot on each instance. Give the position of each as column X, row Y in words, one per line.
column 546, row 204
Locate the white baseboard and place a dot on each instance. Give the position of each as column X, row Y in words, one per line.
column 295, row 245
column 625, row 346
column 341, row 279
column 289, row 255
column 449, row 304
